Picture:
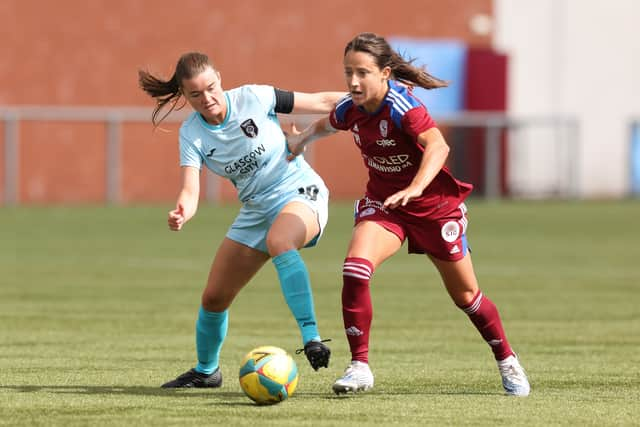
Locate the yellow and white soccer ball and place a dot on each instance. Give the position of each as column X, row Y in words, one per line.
column 268, row 375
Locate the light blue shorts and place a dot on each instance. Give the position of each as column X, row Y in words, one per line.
column 258, row 213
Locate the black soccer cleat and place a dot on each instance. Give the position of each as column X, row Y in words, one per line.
column 195, row 379
column 317, row 353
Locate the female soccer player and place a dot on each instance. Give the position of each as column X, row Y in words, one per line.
column 236, row 135
column 410, row 195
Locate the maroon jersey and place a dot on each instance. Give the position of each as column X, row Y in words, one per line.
column 388, row 142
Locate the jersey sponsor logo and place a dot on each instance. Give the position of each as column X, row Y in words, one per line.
column 390, row 164
column 397, row 159
column 386, row 142
column 247, row 163
column 382, row 168
column 384, row 128
column 450, row 231
column 249, row 128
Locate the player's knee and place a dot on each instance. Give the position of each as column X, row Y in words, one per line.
column 463, row 299
column 214, row 302
column 278, row 244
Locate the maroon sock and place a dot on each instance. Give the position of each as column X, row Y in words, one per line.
column 357, row 311
column 484, row 315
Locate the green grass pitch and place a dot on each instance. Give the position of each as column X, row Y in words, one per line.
column 98, row 305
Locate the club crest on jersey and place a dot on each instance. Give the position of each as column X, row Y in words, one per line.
column 249, row 128
column 384, row 128
column 384, row 131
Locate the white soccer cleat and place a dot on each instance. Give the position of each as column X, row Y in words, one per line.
column 357, row 377
column 514, row 379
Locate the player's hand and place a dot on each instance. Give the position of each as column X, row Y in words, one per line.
column 176, row 218
column 294, row 141
column 402, row 197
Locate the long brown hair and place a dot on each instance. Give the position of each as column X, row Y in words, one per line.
column 169, row 91
column 402, row 69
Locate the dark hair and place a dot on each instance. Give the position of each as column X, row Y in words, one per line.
column 165, row 91
column 384, row 56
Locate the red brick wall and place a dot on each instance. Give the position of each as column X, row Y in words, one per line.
column 78, row 52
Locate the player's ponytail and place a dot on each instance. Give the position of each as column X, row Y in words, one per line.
column 401, row 69
column 170, row 91
column 163, row 91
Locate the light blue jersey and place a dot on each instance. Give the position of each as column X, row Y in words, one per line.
column 250, row 149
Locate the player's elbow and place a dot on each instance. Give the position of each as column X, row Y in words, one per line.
column 444, row 149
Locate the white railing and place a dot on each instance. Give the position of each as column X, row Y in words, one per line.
column 112, row 117
column 565, row 131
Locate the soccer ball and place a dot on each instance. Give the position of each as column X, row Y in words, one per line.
column 268, row 375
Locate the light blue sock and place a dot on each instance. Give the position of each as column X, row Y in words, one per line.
column 211, row 330
column 296, row 288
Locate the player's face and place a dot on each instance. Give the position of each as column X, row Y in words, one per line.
column 366, row 82
column 205, row 95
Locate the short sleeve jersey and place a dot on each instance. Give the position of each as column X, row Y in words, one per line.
column 388, row 142
column 248, row 148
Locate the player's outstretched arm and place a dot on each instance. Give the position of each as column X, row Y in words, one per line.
column 318, row 103
column 187, row 203
column 297, row 141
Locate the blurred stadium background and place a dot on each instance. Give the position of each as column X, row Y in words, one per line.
column 544, row 100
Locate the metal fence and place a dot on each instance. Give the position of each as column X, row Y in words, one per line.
column 112, row 117
column 562, row 142
column 564, row 131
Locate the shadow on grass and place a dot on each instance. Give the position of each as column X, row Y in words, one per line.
column 223, row 397
column 121, row 390
column 390, row 393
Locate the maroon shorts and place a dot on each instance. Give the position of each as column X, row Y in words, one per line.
column 440, row 234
